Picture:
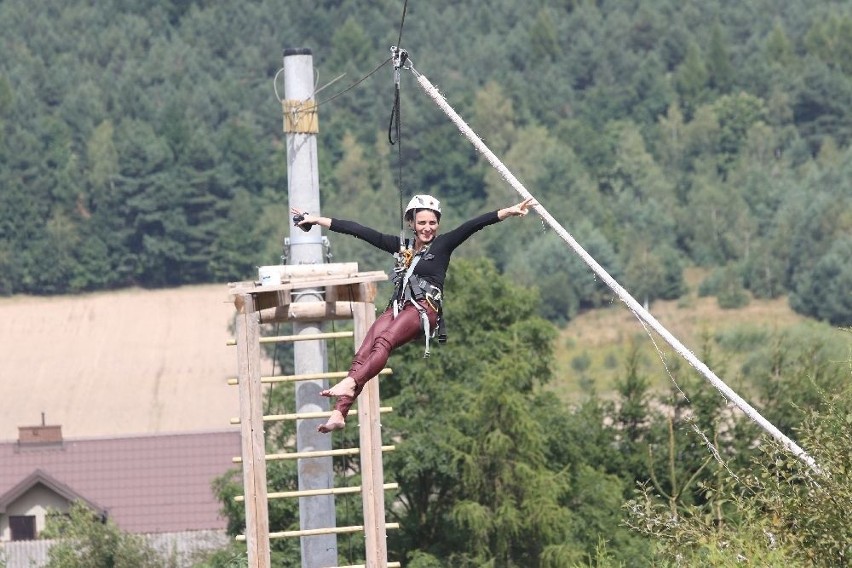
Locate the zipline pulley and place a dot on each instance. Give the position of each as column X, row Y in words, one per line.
column 399, row 58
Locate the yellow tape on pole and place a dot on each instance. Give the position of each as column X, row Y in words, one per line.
column 300, row 116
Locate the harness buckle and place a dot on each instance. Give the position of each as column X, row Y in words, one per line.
column 433, row 298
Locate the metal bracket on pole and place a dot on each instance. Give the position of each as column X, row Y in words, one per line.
column 285, row 252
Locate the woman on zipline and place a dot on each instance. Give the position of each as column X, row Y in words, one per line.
column 418, row 288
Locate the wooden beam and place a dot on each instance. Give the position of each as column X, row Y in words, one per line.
column 311, row 311
column 315, row 454
column 303, row 337
column 252, row 435
column 303, row 415
column 331, row 530
column 372, row 472
column 314, row 532
column 304, row 377
column 316, row 279
column 312, row 492
column 331, row 285
column 390, row 565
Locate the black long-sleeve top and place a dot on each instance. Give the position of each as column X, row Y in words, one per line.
column 433, row 265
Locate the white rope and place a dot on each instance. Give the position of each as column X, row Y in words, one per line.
column 623, row 295
column 316, row 82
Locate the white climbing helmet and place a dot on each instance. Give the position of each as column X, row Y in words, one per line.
column 423, row 202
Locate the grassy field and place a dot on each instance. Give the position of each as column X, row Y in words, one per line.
column 591, row 348
column 118, row 362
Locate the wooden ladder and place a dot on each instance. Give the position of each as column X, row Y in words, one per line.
column 348, row 294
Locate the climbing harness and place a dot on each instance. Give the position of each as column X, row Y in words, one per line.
column 410, row 288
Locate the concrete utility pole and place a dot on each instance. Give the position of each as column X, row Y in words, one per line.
column 301, row 126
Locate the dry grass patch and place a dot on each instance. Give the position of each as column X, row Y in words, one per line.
column 590, row 349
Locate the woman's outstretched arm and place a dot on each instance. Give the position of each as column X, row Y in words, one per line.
column 387, row 243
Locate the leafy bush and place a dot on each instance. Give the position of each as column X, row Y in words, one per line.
column 87, row 541
column 780, row 512
column 581, row 362
column 727, row 285
column 741, row 339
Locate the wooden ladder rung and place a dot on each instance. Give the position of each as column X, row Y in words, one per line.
column 315, row 532
column 317, row 454
column 389, row 565
column 305, row 377
column 304, row 415
column 305, row 337
column 315, row 492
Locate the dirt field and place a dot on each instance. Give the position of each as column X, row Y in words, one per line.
column 126, row 362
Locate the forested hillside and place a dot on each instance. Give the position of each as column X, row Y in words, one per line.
column 141, row 143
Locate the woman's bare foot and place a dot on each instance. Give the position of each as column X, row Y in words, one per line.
column 345, row 387
column 335, row 422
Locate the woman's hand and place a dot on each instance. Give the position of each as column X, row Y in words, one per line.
column 299, row 213
column 518, row 210
column 310, row 220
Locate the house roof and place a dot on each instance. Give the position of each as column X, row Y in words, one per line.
column 40, row 477
column 146, row 484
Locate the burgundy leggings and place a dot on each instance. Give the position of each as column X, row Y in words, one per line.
column 386, row 334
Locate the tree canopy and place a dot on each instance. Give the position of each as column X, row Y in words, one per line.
column 142, row 146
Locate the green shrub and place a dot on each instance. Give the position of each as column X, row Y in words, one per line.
column 780, row 512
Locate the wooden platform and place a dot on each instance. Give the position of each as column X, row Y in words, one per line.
column 335, row 288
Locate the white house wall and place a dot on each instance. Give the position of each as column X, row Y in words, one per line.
column 35, row 502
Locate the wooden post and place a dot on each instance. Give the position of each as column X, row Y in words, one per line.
column 372, row 473
column 252, row 435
